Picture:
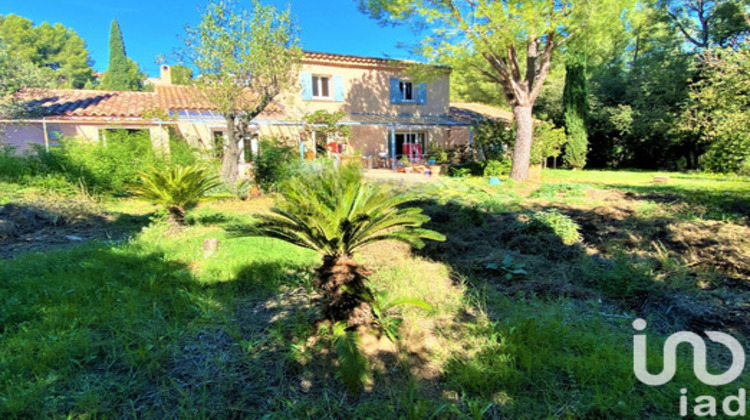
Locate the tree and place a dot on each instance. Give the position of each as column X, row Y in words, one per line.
column 245, row 58
column 716, row 115
column 331, row 211
column 122, row 72
column 57, row 50
column 509, row 43
column 576, row 108
column 704, row 23
column 16, row 74
column 181, row 75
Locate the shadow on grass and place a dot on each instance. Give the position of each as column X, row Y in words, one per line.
column 636, row 263
column 125, row 331
column 728, row 202
column 28, row 227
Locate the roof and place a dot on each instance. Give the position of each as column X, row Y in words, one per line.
column 471, row 112
column 90, row 103
column 313, row 57
column 69, row 103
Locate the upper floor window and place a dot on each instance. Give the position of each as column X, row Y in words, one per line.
column 406, row 89
column 407, row 92
column 321, row 87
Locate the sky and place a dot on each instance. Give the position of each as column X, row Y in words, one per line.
column 153, row 27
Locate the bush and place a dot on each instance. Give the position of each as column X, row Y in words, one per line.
column 497, row 167
column 552, row 221
column 105, row 168
column 461, row 170
column 177, row 188
column 270, row 167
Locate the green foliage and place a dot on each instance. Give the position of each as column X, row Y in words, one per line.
column 354, row 368
column 575, row 104
column 705, row 24
column 388, row 323
column 105, row 167
column 437, row 153
column 497, row 168
column 122, row 72
column 716, row 115
column 181, row 75
column 508, row 267
column 176, row 188
column 271, row 166
column 180, row 152
column 492, row 138
column 16, row 73
column 57, row 52
column 334, row 213
column 246, row 58
column 552, row 221
column 548, row 142
column 328, row 123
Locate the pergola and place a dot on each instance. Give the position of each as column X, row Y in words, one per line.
column 393, row 122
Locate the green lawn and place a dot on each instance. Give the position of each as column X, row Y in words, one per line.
column 522, row 326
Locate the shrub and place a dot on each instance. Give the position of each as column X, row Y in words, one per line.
column 437, row 153
column 177, row 188
column 497, row 167
column 461, row 170
column 180, row 152
column 105, row 167
column 270, row 167
column 552, row 221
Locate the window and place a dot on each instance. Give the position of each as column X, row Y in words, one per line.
column 321, row 87
column 407, row 90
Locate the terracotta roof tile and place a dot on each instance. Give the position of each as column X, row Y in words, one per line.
column 115, row 104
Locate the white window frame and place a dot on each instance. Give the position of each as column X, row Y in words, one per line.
column 317, row 84
column 402, row 88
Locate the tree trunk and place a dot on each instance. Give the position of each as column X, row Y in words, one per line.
column 522, row 148
column 341, row 280
column 230, row 163
column 176, row 216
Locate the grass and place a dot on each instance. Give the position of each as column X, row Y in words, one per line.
column 157, row 326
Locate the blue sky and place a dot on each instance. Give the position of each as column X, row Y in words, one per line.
column 151, row 27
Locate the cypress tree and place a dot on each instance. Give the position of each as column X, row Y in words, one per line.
column 118, row 75
column 576, row 108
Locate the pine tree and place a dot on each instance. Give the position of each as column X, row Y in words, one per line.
column 122, row 73
column 576, row 108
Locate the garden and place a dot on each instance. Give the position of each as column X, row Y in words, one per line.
column 455, row 298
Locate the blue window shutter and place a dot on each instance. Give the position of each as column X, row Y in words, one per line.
column 395, row 92
column 306, row 79
column 338, row 88
column 421, row 93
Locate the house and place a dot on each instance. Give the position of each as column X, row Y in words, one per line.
column 389, row 113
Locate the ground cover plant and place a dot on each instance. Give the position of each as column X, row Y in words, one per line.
column 524, row 323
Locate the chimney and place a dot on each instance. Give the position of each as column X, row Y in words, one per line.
column 166, row 75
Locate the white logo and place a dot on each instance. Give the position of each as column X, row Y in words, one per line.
column 699, row 357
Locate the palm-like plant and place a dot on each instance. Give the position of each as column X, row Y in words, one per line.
column 177, row 188
column 332, row 212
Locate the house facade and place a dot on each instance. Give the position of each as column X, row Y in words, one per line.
column 390, row 114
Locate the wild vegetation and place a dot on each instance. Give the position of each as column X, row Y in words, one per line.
column 524, row 310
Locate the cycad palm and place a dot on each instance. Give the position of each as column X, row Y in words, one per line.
column 334, row 213
column 176, row 188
